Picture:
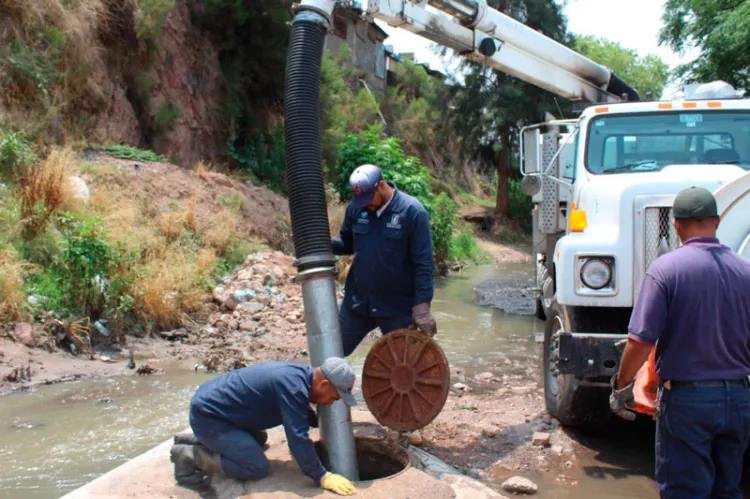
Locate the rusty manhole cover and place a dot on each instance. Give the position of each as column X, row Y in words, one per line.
column 405, row 380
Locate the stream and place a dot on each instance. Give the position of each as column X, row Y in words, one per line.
column 56, row 438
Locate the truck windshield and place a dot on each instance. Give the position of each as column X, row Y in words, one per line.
column 652, row 141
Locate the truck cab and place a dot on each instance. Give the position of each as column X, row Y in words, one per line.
column 603, row 187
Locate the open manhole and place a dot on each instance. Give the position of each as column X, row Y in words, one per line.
column 376, row 458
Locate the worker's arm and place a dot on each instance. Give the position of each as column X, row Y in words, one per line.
column 647, row 323
column 420, row 249
column 294, row 408
column 344, row 244
column 634, row 356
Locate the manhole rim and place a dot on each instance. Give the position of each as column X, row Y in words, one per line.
column 380, row 441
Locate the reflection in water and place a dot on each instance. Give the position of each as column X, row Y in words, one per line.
column 60, row 437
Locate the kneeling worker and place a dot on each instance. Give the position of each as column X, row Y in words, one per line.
column 229, row 416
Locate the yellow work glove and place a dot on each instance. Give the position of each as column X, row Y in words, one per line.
column 338, row 484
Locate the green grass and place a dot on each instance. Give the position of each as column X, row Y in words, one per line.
column 128, row 152
column 464, row 246
column 471, row 198
column 232, row 201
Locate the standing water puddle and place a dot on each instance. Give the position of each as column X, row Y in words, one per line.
column 57, row 438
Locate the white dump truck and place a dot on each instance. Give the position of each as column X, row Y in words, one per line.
column 602, row 185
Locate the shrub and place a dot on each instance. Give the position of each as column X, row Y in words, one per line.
column 464, row 245
column 406, row 172
column 222, row 234
column 37, row 69
column 85, row 262
column 12, row 273
column 44, row 191
column 15, row 153
column 150, row 16
column 129, row 152
column 47, row 50
column 165, row 289
column 443, row 220
column 262, row 157
column 519, row 203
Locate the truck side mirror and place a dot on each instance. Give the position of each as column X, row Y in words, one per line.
column 531, row 185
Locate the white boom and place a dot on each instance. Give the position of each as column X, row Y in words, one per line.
column 483, row 34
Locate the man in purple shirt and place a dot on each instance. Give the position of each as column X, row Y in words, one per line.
column 694, row 305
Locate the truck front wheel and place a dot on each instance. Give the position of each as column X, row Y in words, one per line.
column 567, row 401
column 546, row 292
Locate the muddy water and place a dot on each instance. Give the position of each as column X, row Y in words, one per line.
column 55, row 439
column 58, row 438
column 483, row 337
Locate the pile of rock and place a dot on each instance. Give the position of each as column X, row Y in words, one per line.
column 261, row 316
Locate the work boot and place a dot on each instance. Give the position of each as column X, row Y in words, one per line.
column 261, row 437
column 186, row 471
column 185, row 437
column 207, row 460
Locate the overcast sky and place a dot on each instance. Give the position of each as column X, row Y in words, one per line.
column 635, row 26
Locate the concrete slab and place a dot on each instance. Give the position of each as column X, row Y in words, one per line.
column 150, row 475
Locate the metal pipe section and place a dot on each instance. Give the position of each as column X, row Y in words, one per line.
column 476, row 14
column 508, row 30
column 324, row 340
column 307, row 204
column 465, row 10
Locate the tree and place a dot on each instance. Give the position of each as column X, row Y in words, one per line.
column 647, row 74
column 720, row 29
column 488, row 111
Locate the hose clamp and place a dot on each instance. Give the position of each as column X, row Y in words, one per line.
column 322, row 260
column 312, row 13
column 315, row 273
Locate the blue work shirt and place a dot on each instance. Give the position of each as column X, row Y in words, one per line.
column 694, row 305
column 263, row 396
column 393, row 267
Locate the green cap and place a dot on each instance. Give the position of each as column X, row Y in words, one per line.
column 695, row 202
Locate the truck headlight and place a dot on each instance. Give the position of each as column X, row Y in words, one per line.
column 596, row 274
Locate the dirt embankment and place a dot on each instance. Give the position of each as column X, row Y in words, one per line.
column 151, row 208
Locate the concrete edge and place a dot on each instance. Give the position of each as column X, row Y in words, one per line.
column 125, row 468
column 464, row 486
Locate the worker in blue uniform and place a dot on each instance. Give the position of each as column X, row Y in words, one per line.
column 229, row 416
column 390, row 283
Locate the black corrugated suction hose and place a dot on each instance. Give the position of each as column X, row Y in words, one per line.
column 304, row 163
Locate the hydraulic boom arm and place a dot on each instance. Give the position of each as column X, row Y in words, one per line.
column 483, row 34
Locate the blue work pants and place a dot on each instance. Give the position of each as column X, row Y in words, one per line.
column 242, row 457
column 354, row 327
column 701, row 438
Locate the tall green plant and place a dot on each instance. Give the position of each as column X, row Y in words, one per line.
column 407, row 173
column 85, row 262
column 15, row 153
column 263, row 158
column 345, row 107
column 442, row 224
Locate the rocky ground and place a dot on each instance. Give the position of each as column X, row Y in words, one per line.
column 256, row 314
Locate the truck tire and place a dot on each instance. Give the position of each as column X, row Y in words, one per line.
column 539, row 310
column 568, row 402
column 546, row 286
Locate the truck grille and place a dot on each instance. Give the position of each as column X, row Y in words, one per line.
column 659, row 236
